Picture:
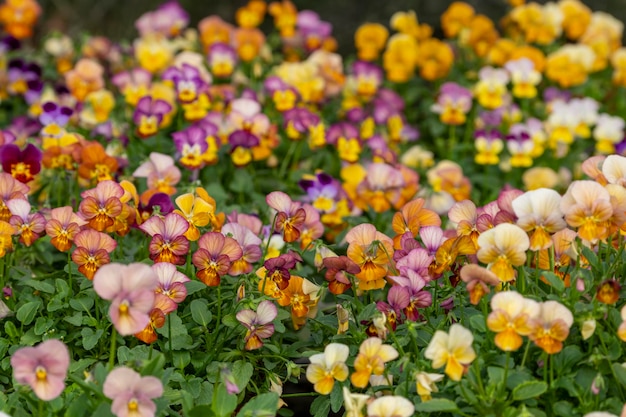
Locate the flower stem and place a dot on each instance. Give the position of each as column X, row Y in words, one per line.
column 506, row 373
column 113, row 348
column 525, row 354
column 70, row 283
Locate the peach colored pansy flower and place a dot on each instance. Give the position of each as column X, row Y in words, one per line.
column 170, row 287
column 551, row 327
column 411, row 218
column 63, row 226
column 28, row 226
column 161, row 173
column 290, row 215
column 92, row 251
column 250, row 245
column 214, row 257
column 477, row 278
column 454, row 350
column 373, row 355
column 130, row 288
column 168, row 243
column 465, row 215
column 502, row 248
column 372, row 251
column 302, row 295
column 43, row 367
column 425, row 384
column 538, row 213
column 327, row 367
column 354, row 403
column 614, row 170
column 259, row 323
column 101, row 205
column 511, row 318
column 587, row 207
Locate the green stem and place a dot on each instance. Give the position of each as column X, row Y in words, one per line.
column 113, row 348
column 86, row 387
column 286, row 160
column 41, row 414
column 525, row 354
column 70, row 282
column 506, row 373
column 169, row 338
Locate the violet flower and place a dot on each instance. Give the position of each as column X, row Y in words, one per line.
column 313, row 30
column 277, row 269
column 149, row 114
column 191, row 144
column 169, row 20
column 187, row 81
column 323, row 191
column 43, row 367
column 222, row 59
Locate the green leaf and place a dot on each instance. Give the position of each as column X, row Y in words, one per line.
column 26, row 313
column 264, row 405
column 320, row 407
column 242, row 372
column 230, row 320
column 437, row 404
column 55, row 304
column 477, row 322
column 42, row 286
column 530, row 389
column 104, row 410
column 620, row 373
column 194, row 286
column 200, row 312
column 62, row 288
column 225, row 403
column 154, row 366
column 81, row 304
column 181, row 359
column 42, row 324
column 336, row 398
column 76, row 319
column 201, row 411
column 78, row 407
column 555, row 282
column 90, row 338
column 11, row 330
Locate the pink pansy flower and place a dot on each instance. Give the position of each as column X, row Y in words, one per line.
column 169, row 243
column 312, row 228
column 43, row 367
column 130, row 288
column 259, row 324
column 161, row 173
column 170, row 290
column 131, row 393
column 214, row 257
column 10, row 188
column 290, row 217
column 432, row 237
column 27, row 225
column 250, row 245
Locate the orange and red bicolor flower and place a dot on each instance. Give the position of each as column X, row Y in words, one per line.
column 92, row 251
column 63, row 226
column 101, row 205
column 290, row 216
column 214, row 257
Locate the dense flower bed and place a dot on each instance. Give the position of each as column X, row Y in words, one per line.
column 190, row 221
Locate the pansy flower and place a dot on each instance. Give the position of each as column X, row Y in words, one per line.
column 453, row 349
column 92, row 251
column 95, row 164
column 214, row 257
column 101, row 205
column 290, row 215
column 511, row 318
column 132, row 394
column 130, row 288
column 372, row 251
column 336, row 269
column 168, row 243
column 371, row 359
column 258, row 324
column 503, row 247
column 161, row 173
column 149, row 115
column 42, row 367
column 222, row 60
column 551, row 327
column 27, row 225
column 587, row 207
column 170, row 286
column 453, row 104
column 538, row 211
column 250, row 245
column 301, row 295
column 327, row 367
column 23, row 164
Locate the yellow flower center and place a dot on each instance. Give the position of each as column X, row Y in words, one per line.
column 41, row 373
